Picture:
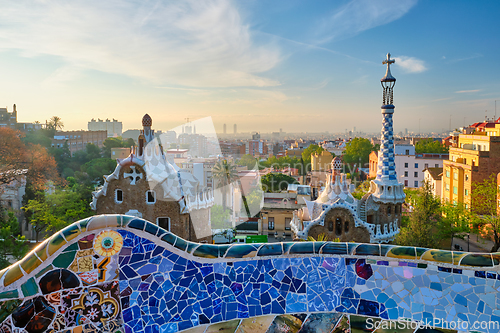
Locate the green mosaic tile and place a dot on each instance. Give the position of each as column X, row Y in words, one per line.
column 9, row 294
column 72, row 247
column 29, row 288
column 222, row 250
column 334, row 248
column 478, row 260
column 169, row 238
column 12, row 275
column 181, row 244
column 361, row 324
column 83, row 224
column 46, row 269
column 402, row 252
column 318, row 246
column 302, row 248
column 371, row 261
column 206, row 251
column 151, row 228
column 287, row 246
column 30, row 262
column 191, row 246
column 55, row 243
column 367, row 250
column 386, row 326
column 420, row 250
column 71, row 232
column 7, row 307
column 496, row 258
column 457, row 256
column 241, row 251
column 384, row 248
column 419, row 265
column 64, row 259
column 438, row 255
column 272, row 249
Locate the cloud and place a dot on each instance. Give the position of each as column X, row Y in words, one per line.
column 187, row 43
column 467, row 91
column 360, row 15
column 410, row 64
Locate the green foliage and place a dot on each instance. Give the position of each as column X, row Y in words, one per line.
column 455, row 221
column 276, row 182
column 361, row 190
column 323, row 237
column 249, row 161
column 220, row 217
column 55, row 211
column 115, row 143
column 254, row 200
column 485, row 217
column 422, row 223
column 96, row 168
column 224, row 173
column 306, row 154
column 42, row 137
column 357, row 151
column 430, row 146
column 11, row 244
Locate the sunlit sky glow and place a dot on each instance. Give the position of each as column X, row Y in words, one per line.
column 297, row 65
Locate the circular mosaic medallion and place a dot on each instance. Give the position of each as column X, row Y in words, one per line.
column 108, row 243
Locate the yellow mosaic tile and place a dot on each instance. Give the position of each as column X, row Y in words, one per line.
column 71, row 232
column 30, row 262
column 227, row 326
column 255, row 325
column 74, row 266
column 438, row 255
column 457, row 256
column 108, row 243
column 55, row 243
column 12, row 275
column 402, row 252
column 84, row 253
column 198, row 329
column 41, row 250
column 3, row 271
column 85, row 264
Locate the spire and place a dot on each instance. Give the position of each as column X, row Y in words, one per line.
column 388, row 81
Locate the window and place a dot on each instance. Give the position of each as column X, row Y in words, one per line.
column 448, row 173
column 406, row 173
column 455, row 175
column 118, row 196
column 447, row 187
column 407, row 152
column 270, row 223
column 406, row 183
column 455, row 190
column 436, row 165
column 150, row 197
column 415, row 183
column 406, row 165
column 415, row 174
column 466, row 192
column 338, row 226
column 466, row 177
column 388, row 210
column 416, row 165
column 287, row 223
column 163, row 222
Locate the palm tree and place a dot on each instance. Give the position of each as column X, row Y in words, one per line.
column 225, row 174
column 56, row 123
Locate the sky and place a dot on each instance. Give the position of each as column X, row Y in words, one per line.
column 302, row 66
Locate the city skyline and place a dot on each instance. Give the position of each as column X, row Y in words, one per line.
column 264, row 66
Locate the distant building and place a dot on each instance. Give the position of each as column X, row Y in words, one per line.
column 433, row 177
column 119, row 153
column 8, row 119
column 321, row 161
column 78, row 140
column 409, row 165
column 473, row 158
column 114, row 127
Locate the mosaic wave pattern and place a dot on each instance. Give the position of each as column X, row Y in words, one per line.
column 117, row 273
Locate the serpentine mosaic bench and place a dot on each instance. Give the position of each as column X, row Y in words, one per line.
column 114, row 273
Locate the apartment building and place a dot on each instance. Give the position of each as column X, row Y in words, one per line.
column 78, row 140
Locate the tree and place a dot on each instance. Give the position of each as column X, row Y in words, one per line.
column 357, row 151
column 455, row 221
column 306, row 155
column 13, row 155
column 220, row 217
column 419, row 229
column 361, row 190
column 484, row 206
column 430, row 146
column 276, row 182
column 53, row 212
column 55, row 123
column 224, row 173
column 11, row 244
column 249, row 161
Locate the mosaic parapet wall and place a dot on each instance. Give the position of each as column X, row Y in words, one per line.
column 117, row 273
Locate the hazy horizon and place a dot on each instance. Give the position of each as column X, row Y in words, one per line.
column 296, row 65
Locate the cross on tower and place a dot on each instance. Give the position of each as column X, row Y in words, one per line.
column 388, row 61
